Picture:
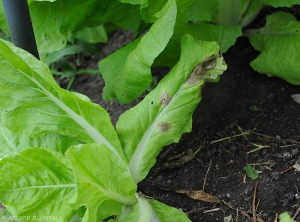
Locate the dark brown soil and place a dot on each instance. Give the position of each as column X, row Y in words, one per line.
column 243, row 102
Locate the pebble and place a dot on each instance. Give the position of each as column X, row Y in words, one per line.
column 285, row 203
column 291, row 196
column 275, row 175
column 271, row 98
column 210, row 153
column 233, row 149
column 167, row 183
column 295, row 151
column 249, row 189
column 287, row 156
column 158, row 179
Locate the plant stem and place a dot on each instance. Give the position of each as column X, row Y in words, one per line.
column 20, row 25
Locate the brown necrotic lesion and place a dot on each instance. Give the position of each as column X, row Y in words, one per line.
column 164, row 127
column 197, row 74
column 165, row 99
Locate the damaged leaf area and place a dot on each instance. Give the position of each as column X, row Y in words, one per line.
column 166, row 112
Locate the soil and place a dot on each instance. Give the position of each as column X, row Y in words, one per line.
column 245, row 118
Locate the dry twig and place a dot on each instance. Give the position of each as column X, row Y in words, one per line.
column 195, row 210
column 287, row 170
column 297, row 212
column 206, row 174
column 253, row 203
column 276, row 218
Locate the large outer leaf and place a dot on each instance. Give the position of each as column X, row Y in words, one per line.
column 279, row 44
column 33, row 104
column 53, row 20
column 36, row 184
column 13, row 143
column 166, row 113
column 104, row 183
column 127, row 72
column 187, row 11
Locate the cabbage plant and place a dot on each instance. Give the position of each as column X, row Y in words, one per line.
column 158, row 34
column 61, row 157
column 60, row 154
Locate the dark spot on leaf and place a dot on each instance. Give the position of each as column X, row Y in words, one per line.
column 209, row 64
column 151, row 102
column 165, row 99
column 197, row 74
column 164, row 127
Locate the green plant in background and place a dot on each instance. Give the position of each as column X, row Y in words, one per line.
column 215, row 20
column 71, row 57
column 69, row 60
column 61, row 156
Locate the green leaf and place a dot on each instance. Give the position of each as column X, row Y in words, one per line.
column 33, row 104
column 280, row 3
column 135, row 2
column 285, row 217
column 127, row 72
column 104, row 183
column 3, row 22
column 47, row 19
column 224, row 35
column 163, row 212
column 141, row 211
column 149, row 11
column 166, row 112
column 52, row 21
column 202, row 10
column 250, row 172
column 13, row 143
column 151, row 210
column 36, row 183
column 92, row 35
column 279, row 44
column 71, row 50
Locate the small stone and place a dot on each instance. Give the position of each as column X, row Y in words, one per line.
column 158, row 179
column 285, row 203
column 271, row 98
column 275, row 175
column 249, row 189
column 233, row 149
column 228, row 195
column 210, row 153
column 287, row 156
column 295, row 151
column 291, row 196
column 167, row 183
